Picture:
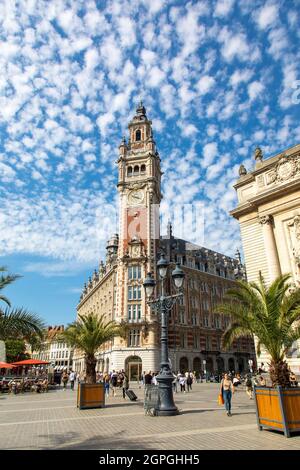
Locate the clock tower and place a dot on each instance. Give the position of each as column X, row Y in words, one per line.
column 139, row 186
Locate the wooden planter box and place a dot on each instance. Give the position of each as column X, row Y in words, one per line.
column 278, row 409
column 90, row 396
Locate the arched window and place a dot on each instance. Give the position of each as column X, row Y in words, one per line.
column 136, row 169
column 138, row 135
column 143, row 169
column 129, row 171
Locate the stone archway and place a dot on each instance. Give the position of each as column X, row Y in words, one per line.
column 209, row 365
column 220, row 365
column 184, row 364
column 197, row 366
column 133, row 368
column 241, row 364
column 231, row 364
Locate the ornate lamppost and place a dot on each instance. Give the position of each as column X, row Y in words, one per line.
column 163, row 305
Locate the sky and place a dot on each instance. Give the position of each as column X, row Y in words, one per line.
column 218, row 78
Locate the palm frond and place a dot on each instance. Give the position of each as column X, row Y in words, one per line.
column 18, row 322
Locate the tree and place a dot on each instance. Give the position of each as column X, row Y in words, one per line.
column 16, row 322
column 271, row 314
column 88, row 334
column 15, row 350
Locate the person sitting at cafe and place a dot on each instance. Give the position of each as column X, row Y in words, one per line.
column 293, row 379
column 262, row 382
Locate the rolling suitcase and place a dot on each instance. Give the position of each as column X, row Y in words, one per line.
column 131, row 395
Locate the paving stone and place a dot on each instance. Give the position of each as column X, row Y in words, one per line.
column 52, row 421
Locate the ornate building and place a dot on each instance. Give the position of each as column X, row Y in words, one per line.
column 269, row 215
column 116, row 289
column 54, row 350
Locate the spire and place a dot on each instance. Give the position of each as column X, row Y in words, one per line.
column 169, row 230
column 141, row 110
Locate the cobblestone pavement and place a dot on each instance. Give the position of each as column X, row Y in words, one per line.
column 52, row 421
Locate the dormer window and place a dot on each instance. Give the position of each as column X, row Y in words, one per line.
column 138, row 135
column 143, row 168
column 129, row 171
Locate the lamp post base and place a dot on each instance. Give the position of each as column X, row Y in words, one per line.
column 166, row 405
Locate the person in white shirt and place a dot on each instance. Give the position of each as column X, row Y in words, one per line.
column 154, row 380
column 72, row 378
column 182, row 382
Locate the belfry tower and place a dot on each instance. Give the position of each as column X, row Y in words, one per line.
column 139, row 186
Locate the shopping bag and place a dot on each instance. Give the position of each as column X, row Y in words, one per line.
column 220, row 399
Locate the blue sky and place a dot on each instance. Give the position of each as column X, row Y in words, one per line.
column 218, row 78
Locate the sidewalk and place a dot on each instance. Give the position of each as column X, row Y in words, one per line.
column 52, row 421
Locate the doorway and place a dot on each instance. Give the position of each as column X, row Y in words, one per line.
column 133, row 368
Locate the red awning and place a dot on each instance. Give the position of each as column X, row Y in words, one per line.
column 5, row 365
column 30, row 362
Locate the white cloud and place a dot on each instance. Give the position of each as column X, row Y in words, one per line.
column 255, row 90
column 210, row 152
column 205, row 84
column 235, row 46
column 223, row 7
column 266, row 16
column 240, row 76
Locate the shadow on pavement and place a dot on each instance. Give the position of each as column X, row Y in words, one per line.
column 116, row 442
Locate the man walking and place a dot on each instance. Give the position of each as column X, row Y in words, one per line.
column 72, row 378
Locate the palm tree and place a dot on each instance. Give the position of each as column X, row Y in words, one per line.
column 269, row 313
column 5, row 280
column 87, row 334
column 16, row 322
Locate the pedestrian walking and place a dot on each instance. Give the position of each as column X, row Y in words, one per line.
column 114, row 381
column 148, row 378
column 249, row 387
column 72, row 378
column 227, row 390
column 106, row 384
column 182, row 382
column 65, row 379
column 125, row 384
column 174, row 383
column 189, row 382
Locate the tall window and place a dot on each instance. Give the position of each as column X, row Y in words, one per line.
column 134, row 272
column 129, row 171
column 196, row 341
column 134, row 293
column 134, row 337
column 207, row 343
column 194, row 318
column 143, row 168
column 138, row 135
column 206, row 321
column 181, row 316
column 134, row 311
column 182, row 340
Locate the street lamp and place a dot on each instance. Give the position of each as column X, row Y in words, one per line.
column 163, row 305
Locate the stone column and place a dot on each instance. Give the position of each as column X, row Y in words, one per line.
column 270, row 247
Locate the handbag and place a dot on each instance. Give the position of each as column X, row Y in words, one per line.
column 220, row 399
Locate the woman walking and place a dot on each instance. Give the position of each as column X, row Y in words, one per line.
column 182, row 382
column 189, row 382
column 227, row 390
column 125, row 384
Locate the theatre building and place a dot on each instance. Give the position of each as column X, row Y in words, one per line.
column 116, row 288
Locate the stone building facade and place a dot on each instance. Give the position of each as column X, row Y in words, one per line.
column 116, row 289
column 269, row 215
column 54, row 350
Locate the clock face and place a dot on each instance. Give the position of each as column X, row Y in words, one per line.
column 136, row 197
